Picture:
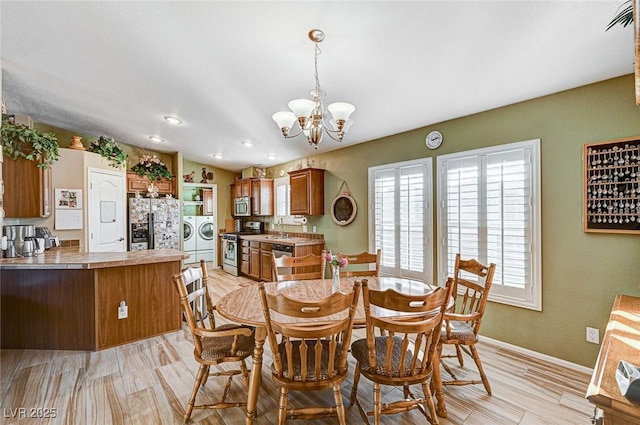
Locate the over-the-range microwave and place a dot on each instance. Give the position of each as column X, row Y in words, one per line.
column 242, row 206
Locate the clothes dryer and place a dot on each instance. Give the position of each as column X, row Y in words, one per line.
column 189, row 233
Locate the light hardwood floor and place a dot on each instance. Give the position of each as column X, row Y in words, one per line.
column 149, row 382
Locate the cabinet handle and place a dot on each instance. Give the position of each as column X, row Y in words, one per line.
column 120, row 240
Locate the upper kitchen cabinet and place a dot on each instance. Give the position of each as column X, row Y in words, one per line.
column 27, row 189
column 241, row 188
column 307, row 191
column 136, row 183
column 262, row 197
column 259, row 190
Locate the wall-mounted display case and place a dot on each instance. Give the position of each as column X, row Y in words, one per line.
column 611, row 186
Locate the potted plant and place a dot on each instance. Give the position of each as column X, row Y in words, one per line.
column 20, row 141
column 109, row 149
column 152, row 167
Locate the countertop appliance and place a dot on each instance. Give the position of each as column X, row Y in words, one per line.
column 154, row 223
column 242, row 206
column 231, row 255
column 45, row 233
column 13, row 240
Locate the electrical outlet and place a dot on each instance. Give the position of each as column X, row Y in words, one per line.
column 314, row 229
column 304, row 228
column 123, row 310
column 593, row 335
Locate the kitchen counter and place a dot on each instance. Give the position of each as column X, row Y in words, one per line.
column 71, row 258
column 275, row 238
column 69, row 300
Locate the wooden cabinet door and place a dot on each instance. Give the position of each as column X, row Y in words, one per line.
column 254, row 263
column 307, row 191
column 262, row 197
column 207, row 201
column 136, row 183
column 266, row 262
column 27, row 189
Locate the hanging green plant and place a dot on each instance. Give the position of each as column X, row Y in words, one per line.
column 152, row 167
column 624, row 17
column 109, row 149
column 20, row 141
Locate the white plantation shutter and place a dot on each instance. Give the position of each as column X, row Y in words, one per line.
column 490, row 212
column 400, row 220
column 282, row 190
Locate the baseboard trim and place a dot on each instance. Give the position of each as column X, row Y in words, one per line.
column 537, row 355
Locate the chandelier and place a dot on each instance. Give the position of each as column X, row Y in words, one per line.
column 311, row 114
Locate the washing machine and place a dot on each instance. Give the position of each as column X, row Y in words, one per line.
column 189, row 233
column 205, row 238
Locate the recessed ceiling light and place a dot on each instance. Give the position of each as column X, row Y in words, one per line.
column 218, row 156
column 156, row 139
column 173, row 120
column 247, row 144
column 271, row 156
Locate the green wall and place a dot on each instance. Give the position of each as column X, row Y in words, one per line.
column 581, row 272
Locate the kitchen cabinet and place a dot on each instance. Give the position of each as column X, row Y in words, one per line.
column 207, row 201
column 27, row 189
column 254, row 259
column 246, row 256
column 260, row 191
column 266, row 262
column 262, row 197
column 307, row 191
column 241, row 188
column 136, row 183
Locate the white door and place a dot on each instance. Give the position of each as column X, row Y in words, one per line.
column 106, row 212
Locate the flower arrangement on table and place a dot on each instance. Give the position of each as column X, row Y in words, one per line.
column 335, row 261
column 152, row 167
column 108, row 148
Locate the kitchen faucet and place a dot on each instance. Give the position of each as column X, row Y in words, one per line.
column 281, row 223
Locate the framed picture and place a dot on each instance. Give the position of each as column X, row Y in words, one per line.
column 68, row 199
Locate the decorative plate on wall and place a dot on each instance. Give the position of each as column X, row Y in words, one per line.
column 343, row 209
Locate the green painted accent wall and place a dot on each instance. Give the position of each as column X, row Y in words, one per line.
column 581, row 272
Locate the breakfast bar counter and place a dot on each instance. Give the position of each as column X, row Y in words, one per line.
column 69, row 300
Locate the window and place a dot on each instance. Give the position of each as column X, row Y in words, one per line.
column 401, row 219
column 490, row 211
column 282, row 191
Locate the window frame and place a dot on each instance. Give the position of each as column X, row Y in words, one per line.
column 428, row 229
column 529, row 297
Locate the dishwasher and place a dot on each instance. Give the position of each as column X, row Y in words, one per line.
column 279, row 250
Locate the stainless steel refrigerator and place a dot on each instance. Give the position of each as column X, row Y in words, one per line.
column 154, row 223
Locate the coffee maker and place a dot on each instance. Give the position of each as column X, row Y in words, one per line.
column 13, row 240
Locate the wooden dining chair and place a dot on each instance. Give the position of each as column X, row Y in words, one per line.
column 404, row 354
column 298, row 268
column 309, row 355
column 212, row 345
column 471, row 283
column 365, row 258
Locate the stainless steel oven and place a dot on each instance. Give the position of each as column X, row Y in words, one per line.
column 230, row 253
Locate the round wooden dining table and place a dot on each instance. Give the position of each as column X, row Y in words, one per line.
column 245, row 307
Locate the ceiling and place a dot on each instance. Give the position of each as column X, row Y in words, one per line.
column 223, row 67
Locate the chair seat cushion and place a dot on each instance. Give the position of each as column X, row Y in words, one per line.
column 460, row 331
column 219, row 347
column 311, row 361
column 360, row 351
